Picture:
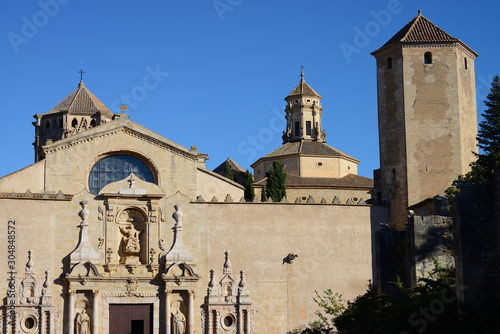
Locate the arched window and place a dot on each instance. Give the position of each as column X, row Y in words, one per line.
column 389, row 63
column 465, row 62
column 47, row 125
column 115, row 168
column 428, row 58
column 60, row 123
column 74, row 123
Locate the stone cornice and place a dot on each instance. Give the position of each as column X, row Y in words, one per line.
column 460, row 45
column 37, row 196
column 85, row 137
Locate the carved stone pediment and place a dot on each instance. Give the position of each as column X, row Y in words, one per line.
column 132, row 186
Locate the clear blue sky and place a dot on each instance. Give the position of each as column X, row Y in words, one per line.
column 222, row 68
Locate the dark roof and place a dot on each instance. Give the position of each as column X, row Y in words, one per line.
column 421, row 30
column 348, row 181
column 306, row 147
column 303, row 88
column 234, row 166
column 81, row 101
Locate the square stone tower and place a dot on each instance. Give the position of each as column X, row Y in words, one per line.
column 426, row 114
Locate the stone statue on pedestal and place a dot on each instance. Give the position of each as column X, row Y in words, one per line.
column 179, row 323
column 82, row 323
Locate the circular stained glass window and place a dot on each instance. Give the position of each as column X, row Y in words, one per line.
column 115, row 168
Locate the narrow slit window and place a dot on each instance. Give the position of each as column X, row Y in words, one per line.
column 297, row 128
column 389, row 63
column 308, row 128
column 428, row 58
column 465, row 62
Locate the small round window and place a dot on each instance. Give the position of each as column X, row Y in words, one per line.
column 319, row 164
column 115, row 168
column 29, row 323
column 228, row 321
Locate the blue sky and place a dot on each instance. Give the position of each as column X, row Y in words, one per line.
column 214, row 73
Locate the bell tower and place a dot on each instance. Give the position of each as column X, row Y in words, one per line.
column 303, row 114
column 78, row 112
column 426, row 114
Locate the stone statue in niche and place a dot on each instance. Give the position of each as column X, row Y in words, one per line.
column 130, row 240
column 82, row 323
column 179, row 323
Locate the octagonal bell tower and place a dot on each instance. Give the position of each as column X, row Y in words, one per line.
column 426, row 114
column 303, row 114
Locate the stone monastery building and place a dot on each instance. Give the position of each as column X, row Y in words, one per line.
column 118, row 229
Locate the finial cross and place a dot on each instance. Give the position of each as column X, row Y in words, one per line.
column 123, row 107
column 302, row 67
column 81, row 71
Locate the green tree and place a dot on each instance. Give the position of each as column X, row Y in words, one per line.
column 263, row 195
column 275, row 185
column 248, row 184
column 228, row 171
column 488, row 138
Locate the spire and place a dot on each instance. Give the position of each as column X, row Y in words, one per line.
column 303, row 88
column 227, row 265
column 178, row 252
column 30, row 267
column 84, row 251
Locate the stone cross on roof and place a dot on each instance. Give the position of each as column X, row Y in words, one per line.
column 123, row 107
column 81, row 71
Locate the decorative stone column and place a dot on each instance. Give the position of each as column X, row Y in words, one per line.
column 71, row 312
column 167, row 311
column 191, row 312
column 95, row 316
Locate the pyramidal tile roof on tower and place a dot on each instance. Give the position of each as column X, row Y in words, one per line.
column 82, row 101
column 421, row 30
column 303, row 88
column 307, row 147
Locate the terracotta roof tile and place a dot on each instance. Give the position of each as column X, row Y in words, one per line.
column 419, row 30
column 306, row 147
column 303, row 88
column 81, row 101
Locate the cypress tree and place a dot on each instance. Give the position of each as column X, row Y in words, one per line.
column 263, row 195
column 248, row 184
column 276, row 178
column 228, row 171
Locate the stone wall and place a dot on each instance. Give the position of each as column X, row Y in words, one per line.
column 476, row 212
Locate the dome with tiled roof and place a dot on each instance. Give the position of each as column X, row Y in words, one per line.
column 304, row 153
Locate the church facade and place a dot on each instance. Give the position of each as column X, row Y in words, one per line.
column 117, row 229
